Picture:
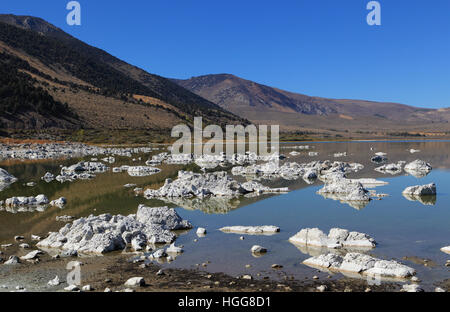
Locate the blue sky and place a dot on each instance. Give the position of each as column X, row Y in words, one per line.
column 316, row 47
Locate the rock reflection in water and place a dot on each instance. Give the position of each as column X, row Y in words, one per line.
column 354, row 203
column 429, row 200
column 210, row 205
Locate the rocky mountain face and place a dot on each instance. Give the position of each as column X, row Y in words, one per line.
column 59, row 81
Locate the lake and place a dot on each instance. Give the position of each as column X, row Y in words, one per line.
column 408, row 231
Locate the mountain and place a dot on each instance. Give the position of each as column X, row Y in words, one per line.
column 58, row 81
column 293, row 111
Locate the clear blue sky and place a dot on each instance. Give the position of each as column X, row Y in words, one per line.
column 316, row 47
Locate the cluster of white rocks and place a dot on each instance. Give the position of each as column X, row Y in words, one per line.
column 39, row 200
column 323, row 170
column 105, row 233
column 189, row 184
column 418, row 168
column 142, row 171
column 66, row 150
column 361, row 264
column 337, row 238
column 345, row 190
column 211, row 161
column 394, row 168
column 82, row 170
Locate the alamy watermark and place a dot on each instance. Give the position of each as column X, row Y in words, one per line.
column 220, row 144
column 74, row 16
column 374, row 16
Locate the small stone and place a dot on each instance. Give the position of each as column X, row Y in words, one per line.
column 12, row 260
column 209, row 276
column 368, row 290
column 439, row 289
column 315, row 277
column 87, row 288
column 248, row 266
column 258, row 249
column 276, row 266
column 160, row 273
column 201, row 231
column 72, row 288
column 348, row 289
column 415, row 279
column 108, row 280
column 322, row 288
column 135, row 282
column 107, row 289
column 241, row 237
column 19, row 237
column 129, row 290
column 24, row 246
column 247, row 277
column 54, row 282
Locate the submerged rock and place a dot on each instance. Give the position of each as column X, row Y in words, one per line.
column 361, row 264
column 105, row 233
column 262, row 229
column 421, row 190
column 337, row 238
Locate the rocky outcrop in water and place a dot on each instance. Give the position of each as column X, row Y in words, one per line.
column 418, row 168
column 19, row 201
column 421, row 190
column 260, row 229
column 345, row 190
column 142, row 171
column 337, row 238
column 189, row 184
column 394, row 168
column 105, row 233
column 363, row 264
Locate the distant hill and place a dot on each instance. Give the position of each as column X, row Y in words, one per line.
column 56, row 80
column 264, row 104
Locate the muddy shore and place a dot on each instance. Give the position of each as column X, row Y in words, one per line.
column 114, row 270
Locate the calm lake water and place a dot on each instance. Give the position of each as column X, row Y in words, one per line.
column 401, row 227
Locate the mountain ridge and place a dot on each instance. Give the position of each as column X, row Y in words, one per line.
column 62, row 64
column 262, row 103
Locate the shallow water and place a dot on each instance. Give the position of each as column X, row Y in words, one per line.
column 401, row 227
